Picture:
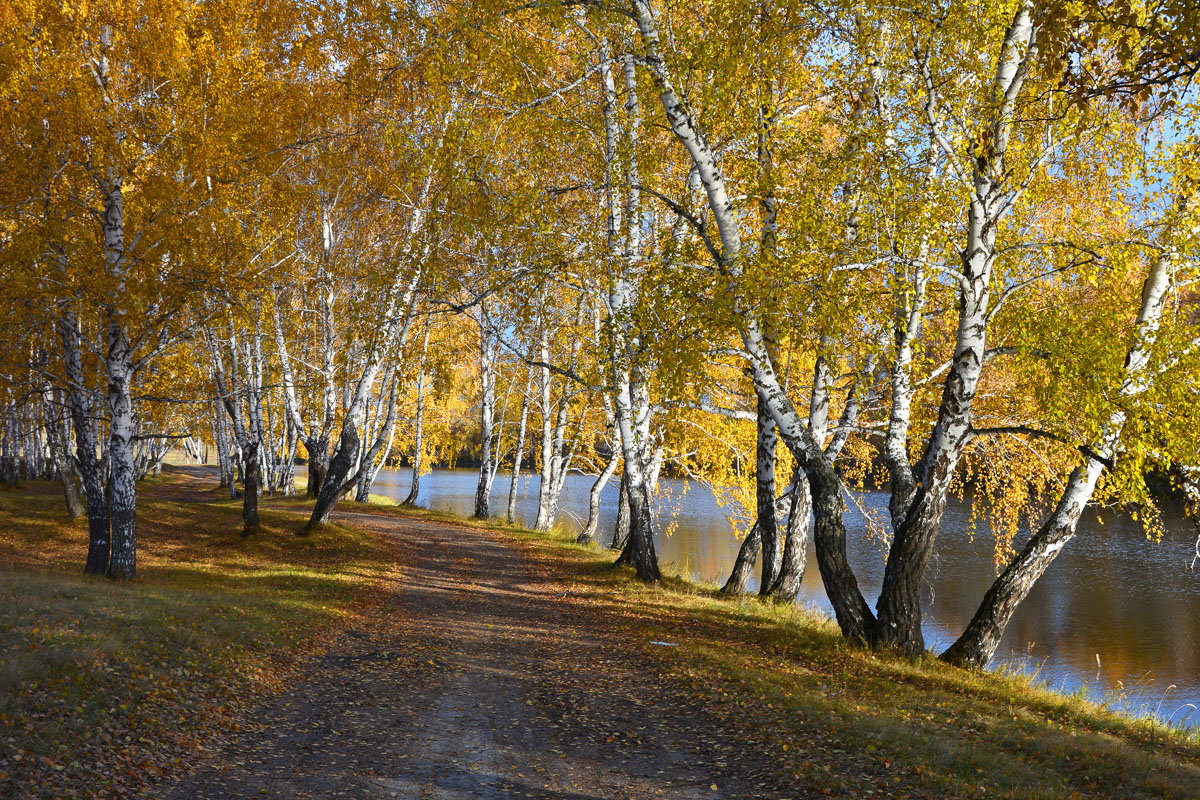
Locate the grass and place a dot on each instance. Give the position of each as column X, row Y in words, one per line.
column 104, row 686
column 849, row 723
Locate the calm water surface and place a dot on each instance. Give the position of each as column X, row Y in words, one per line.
column 1116, row 615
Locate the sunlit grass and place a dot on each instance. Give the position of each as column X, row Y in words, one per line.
column 110, row 684
column 103, row 685
column 859, row 724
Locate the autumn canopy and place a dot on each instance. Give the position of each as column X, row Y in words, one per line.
column 788, row 249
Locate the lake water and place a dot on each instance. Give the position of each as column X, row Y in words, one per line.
column 1117, row 615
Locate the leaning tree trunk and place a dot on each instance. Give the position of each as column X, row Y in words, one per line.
column 333, row 487
column 369, row 465
column 977, row 644
column 899, row 605
column 588, row 534
column 979, row 641
column 398, row 313
column 743, row 565
column 854, row 616
column 795, row 549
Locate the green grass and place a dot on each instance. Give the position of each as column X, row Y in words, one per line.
column 850, row 723
column 105, row 686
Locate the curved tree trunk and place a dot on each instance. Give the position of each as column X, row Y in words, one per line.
column 977, row 644
column 899, row 606
column 396, row 314
column 334, row 486
column 795, row 549
column 853, row 614
column 373, row 459
column 743, row 565
column 588, row 534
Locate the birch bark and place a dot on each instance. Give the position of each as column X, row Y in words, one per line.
column 118, row 363
column 519, row 451
column 854, row 616
column 899, row 606
column 91, row 469
column 978, row 642
column 419, row 435
column 487, row 407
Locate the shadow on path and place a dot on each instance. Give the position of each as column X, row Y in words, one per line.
column 478, row 678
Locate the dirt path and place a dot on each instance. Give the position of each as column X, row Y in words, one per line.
column 483, row 679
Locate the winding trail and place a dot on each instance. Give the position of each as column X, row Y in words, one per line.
column 481, row 678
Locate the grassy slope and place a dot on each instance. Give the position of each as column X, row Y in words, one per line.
column 104, row 686
column 853, row 724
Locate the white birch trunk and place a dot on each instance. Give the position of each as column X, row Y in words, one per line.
column 899, row 606
column 978, row 643
column 487, row 404
column 519, row 451
column 853, row 615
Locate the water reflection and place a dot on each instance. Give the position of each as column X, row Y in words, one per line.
column 1116, row 614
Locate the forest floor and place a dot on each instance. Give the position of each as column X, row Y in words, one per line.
column 402, row 654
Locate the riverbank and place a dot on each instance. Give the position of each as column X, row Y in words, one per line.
column 847, row 723
column 400, row 652
column 1094, row 623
